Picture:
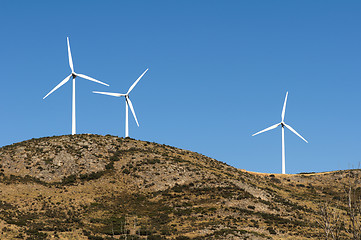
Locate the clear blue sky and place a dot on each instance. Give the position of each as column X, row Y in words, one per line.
column 218, row 72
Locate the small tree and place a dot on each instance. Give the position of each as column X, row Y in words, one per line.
column 329, row 220
column 330, row 217
column 354, row 211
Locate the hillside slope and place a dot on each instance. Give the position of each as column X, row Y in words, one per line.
column 105, row 187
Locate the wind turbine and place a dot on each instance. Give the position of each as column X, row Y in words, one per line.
column 283, row 125
column 127, row 102
column 73, row 75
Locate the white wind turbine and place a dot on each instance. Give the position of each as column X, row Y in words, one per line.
column 74, row 75
column 283, row 124
column 127, row 102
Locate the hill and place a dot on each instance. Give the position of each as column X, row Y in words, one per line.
column 105, row 187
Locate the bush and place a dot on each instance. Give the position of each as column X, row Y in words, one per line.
column 69, row 180
column 95, row 238
column 92, row 176
column 251, row 207
column 153, row 161
column 109, row 166
column 155, row 237
column 271, row 230
column 144, row 232
column 182, row 238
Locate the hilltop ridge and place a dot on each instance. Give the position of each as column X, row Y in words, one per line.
column 104, row 187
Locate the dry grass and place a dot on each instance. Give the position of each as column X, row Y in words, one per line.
column 104, row 187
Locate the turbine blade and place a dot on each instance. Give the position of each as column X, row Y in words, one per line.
column 267, row 129
column 58, row 86
column 284, row 108
column 110, row 94
column 294, row 131
column 135, row 83
column 69, row 55
column 132, row 109
column 91, row 79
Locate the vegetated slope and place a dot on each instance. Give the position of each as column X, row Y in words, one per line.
column 105, row 187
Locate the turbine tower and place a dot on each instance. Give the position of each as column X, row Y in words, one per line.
column 283, row 125
column 127, row 102
column 73, row 75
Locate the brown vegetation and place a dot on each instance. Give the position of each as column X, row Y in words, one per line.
column 105, row 187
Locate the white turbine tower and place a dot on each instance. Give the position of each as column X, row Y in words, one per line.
column 73, row 75
column 283, row 125
column 127, row 102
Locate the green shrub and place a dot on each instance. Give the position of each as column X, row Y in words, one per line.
column 182, row 238
column 251, row 207
column 109, row 166
column 91, row 237
column 153, row 161
column 155, row 237
column 271, row 230
column 71, row 179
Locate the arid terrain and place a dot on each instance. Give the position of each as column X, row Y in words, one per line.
column 105, row 187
